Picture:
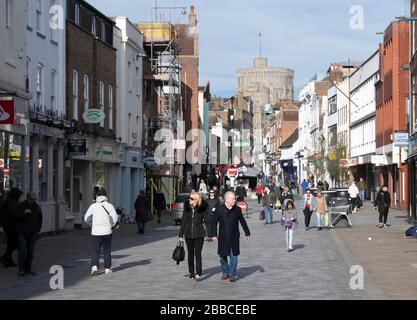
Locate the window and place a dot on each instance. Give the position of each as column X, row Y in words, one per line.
column 8, row 28
column 103, row 31
column 38, row 15
column 110, row 107
column 53, row 90
column 129, row 76
column 77, row 14
column 137, row 81
column 53, row 26
column 93, row 26
column 129, row 129
column 75, row 94
column 101, row 102
column 39, row 84
column 86, row 92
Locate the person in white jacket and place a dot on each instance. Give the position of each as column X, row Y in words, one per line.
column 101, row 216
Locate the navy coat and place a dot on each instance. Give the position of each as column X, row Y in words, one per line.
column 229, row 234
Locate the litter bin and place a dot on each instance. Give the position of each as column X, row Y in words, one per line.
column 328, row 195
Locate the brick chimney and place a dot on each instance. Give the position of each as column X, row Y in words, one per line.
column 193, row 18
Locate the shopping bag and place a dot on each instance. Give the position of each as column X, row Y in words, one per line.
column 326, row 219
column 262, row 215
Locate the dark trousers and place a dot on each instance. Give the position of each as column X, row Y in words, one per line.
column 26, row 243
column 141, row 227
column 259, row 197
column 98, row 242
column 307, row 217
column 194, row 247
column 383, row 215
column 12, row 245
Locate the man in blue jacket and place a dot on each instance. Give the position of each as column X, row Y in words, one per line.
column 228, row 216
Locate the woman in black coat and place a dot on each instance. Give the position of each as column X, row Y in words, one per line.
column 193, row 229
column 228, row 216
column 142, row 211
column 383, row 202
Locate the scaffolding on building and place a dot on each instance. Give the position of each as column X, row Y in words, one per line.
column 164, row 79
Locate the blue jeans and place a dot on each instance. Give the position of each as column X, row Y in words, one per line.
column 226, row 268
column 26, row 243
column 98, row 242
column 141, row 227
column 268, row 214
column 362, row 195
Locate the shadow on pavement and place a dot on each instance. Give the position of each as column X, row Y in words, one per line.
column 131, row 265
column 298, row 246
column 241, row 272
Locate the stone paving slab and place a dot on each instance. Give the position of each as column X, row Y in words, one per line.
column 143, row 269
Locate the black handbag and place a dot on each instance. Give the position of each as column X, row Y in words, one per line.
column 179, row 253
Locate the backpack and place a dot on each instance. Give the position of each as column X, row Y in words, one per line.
column 412, row 231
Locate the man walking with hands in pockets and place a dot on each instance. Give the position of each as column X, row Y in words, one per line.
column 228, row 216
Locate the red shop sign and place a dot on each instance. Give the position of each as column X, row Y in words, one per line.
column 7, row 112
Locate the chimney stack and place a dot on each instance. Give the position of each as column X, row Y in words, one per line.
column 193, row 18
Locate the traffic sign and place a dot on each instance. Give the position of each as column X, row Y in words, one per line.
column 242, row 205
column 6, row 171
column 232, row 171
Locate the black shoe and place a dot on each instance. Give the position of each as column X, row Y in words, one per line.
column 31, row 273
column 192, row 277
column 319, row 229
column 22, row 273
column 159, row 220
column 232, row 279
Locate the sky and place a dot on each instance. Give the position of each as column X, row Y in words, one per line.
column 304, row 35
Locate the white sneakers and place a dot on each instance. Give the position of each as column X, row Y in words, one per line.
column 94, row 270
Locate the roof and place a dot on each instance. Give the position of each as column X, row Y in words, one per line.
column 291, row 140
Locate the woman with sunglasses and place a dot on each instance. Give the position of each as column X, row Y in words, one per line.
column 193, row 229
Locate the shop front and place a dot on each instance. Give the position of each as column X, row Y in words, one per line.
column 47, row 178
column 362, row 167
column 412, row 181
column 95, row 163
column 14, row 146
column 130, row 180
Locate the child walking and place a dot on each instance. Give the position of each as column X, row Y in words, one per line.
column 289, row 221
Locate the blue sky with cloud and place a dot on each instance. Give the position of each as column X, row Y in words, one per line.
column 304, row 35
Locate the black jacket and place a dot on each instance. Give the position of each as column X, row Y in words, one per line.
column 30, row 223
column 241, row 192
column 8, row 210
column 229, row 234
column 194, row 221
column 159, row 201
column 383, row 200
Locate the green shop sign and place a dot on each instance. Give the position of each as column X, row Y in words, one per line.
column 93, row 116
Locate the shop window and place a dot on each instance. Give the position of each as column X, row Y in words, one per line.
column 11, row 161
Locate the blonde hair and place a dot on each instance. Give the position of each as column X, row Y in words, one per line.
column 197, row 197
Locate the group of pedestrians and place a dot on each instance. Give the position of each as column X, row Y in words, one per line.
column 219, row 222
column 21, row 222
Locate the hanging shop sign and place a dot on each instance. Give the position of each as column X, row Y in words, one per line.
column 93, row 116
column 77, row 147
